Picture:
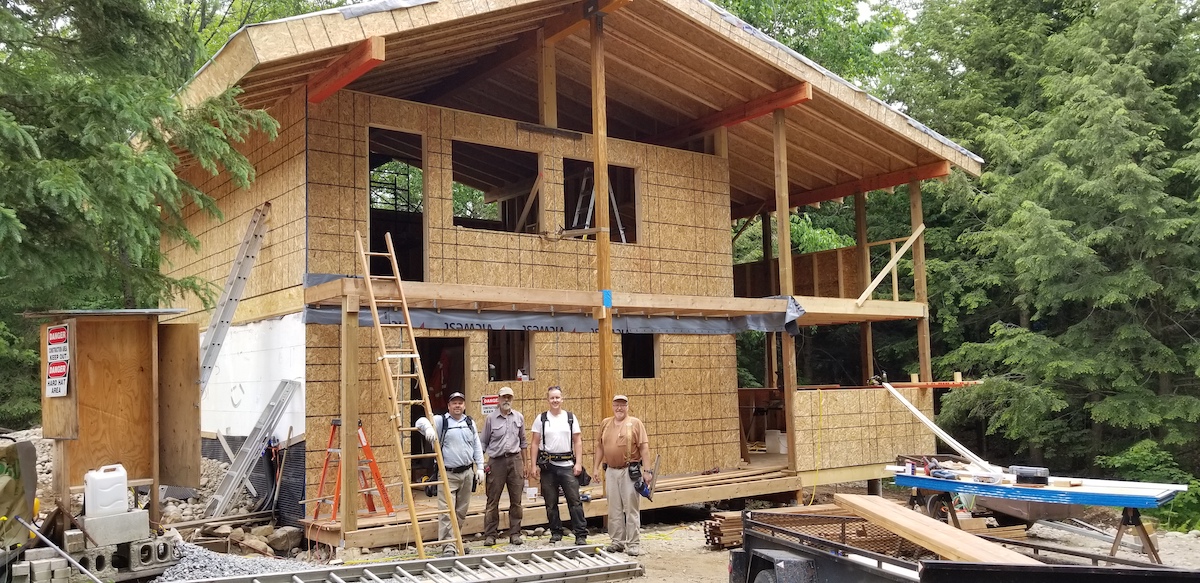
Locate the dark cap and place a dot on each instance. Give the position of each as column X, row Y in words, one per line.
column 457, row 395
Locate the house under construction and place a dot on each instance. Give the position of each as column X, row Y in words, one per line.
column 393, row 113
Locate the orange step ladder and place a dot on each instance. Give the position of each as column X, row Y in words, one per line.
column 368, row 484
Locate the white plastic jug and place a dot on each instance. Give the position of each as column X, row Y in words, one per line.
column 104, row 491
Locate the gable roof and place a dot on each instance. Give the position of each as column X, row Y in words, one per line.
column 668, row 64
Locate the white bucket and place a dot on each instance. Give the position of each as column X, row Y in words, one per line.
column 776, row 441
column 104, row 491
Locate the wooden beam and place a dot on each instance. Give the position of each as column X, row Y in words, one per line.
column 532, row 196
column 739, row 113
column 547, row 81
column 890, row 266
column 575, row 20
column 349, row 410
column 935, row 535
column 865, row 184
column 865, row 335
column 783, row 228
column 600, row 187
column 920, row 293
column 350, row 66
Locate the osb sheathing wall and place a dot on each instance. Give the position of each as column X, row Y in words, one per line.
column 273, row 287
column 849, row 427
column 683, row 247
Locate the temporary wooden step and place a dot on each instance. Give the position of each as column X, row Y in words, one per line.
column 401, row 361
column 937, row 536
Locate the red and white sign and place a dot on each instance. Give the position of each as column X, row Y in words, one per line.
column 58, row 360
column 489, row 404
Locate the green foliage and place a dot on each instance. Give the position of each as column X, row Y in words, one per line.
column 806, row 238
column 1071, row 272
column 1146, row 461
column 833, row 33
column 88, row 123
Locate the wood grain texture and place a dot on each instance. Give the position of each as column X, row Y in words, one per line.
column 60, row 415
column 179, row 404
column 934, row 535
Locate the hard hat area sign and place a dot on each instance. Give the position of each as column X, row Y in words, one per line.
column 488, row 404
column 58, row 360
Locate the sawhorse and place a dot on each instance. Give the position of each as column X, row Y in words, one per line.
column 1132, row 517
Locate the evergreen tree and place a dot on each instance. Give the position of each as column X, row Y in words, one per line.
column 90, row 134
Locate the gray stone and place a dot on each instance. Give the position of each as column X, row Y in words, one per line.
column 223, row 530
column 237, row 534
column 285, row 538
column 258, row 546
column 263, row 531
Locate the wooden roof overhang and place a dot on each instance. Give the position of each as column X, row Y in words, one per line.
column 676, row 69
column 481, row 298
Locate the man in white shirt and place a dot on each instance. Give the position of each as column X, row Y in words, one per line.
column 454, row 432
column 557, row 440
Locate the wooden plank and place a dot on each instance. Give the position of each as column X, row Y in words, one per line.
column 362, row 58
column 739, row 113
column 916, row 236
column 787, row 284
column 179, row 404
column 600, row 187
column 60, row 415
column 116, row 396
column 934, row 535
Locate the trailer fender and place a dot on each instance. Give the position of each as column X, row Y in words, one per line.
column 785, row 566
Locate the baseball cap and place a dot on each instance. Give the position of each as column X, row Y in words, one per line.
column 457, row 395
column 506, row 391
column 621, row 398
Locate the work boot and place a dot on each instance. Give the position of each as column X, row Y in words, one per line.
column 555, row 537
column 614, row 548
column 633, row 551
column 490, row 541
column 515, row 539
column 580, row 540
column 449, row 551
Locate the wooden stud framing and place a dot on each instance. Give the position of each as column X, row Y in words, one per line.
column 865, row 336
column 350, row 66
column 349, row 398
column 786, row 283
column 921, row 294
column 547, row 82
column 867, row 184
column 768, row 251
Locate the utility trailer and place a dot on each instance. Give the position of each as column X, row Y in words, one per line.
column 800, row 548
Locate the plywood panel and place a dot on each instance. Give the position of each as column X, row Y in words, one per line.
column 114, row 368
column 179, row 404
column 60, row 415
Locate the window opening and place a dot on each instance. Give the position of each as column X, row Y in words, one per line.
column 639, row 356
column 509, row 355
column 578, row 186
column 396, row 189
column 495, row 188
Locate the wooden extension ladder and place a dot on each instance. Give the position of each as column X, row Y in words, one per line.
column 400, row 363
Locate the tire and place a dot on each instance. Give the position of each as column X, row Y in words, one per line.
column 765, row 576
column 937, row 508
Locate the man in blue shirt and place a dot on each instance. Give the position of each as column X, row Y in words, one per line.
column 454, row 432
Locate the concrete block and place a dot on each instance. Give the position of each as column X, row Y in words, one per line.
column 62, row 573
column 99, row 561
column 41, row 576
column 40, row 566
column 148, row 553
column 118, row 528
column 40, row 553
column 20, row 569
column 60, row 581
column 75, row 541
column 59, row 563
column 21, row 579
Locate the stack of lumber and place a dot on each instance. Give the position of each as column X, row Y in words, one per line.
column 1009, row 532
column 724, row 529
column 939, row 537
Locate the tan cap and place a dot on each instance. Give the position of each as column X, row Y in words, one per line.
column 621, row 398
column 506, row 391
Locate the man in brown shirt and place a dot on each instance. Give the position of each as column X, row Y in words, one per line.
column 503, row 440
column 621, row 441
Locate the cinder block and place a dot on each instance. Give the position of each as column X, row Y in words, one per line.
column 21, row 579
column 148, row 553
column 75, row 541
column 60, row 581
column 20, row 569
column 40, row 553
column 118, row 528
column 59, row 563
column 62, row 573
column 40, row 566
column 41, row 575
column 98, row 561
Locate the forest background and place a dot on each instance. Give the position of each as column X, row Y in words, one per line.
column 1067, row 276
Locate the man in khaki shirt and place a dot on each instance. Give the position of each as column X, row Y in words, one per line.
column 622, row 441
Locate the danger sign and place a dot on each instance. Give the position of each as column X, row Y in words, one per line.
column 58, row 360
column 488, row 404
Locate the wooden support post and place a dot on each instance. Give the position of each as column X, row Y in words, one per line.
column 547, row 82
column 721, row 142
column 768, row 251
column 921, row 293
column 153, row 504
column 600, row 176
column 786, row 283
column 865, row 337
column 62, row 480
column 349, row 435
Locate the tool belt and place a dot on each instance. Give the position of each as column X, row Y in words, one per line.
column 459, row 469
column 544, row 458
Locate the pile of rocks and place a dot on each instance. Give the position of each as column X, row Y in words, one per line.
column 263, row 540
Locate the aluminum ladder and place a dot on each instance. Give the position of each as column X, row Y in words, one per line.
column 586, row 563
column 591, row 205
column 222, row 317
column 400, row 362
column 247, row 457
